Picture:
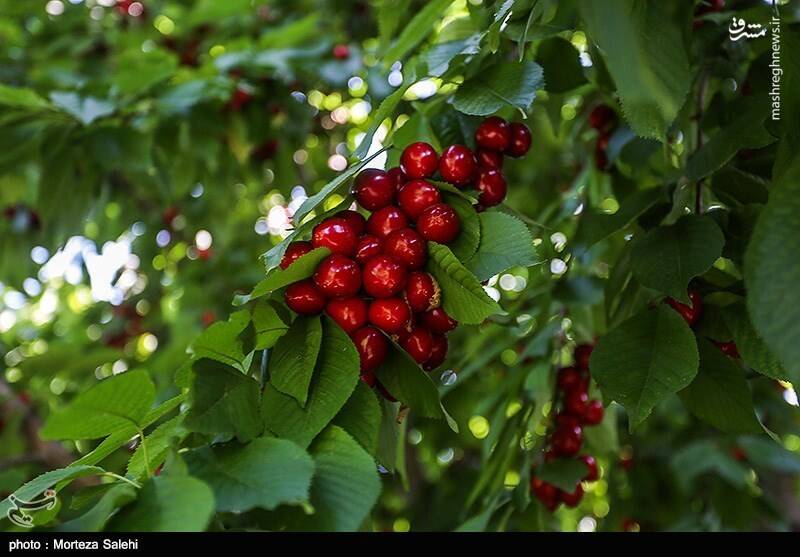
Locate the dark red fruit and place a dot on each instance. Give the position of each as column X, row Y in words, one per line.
column 493, row 133
column 439, row 223
column 567, row 441
column 594, row 413
column 369, row 378
column 356, row 220
column 372, row 347
column 418, row 343
column 368, row 246
column 335, row 234
column 729, row 349
column 416, row 196
column 304, row 297
column 601, row 117
column 422, row 292
column 341, row 51
column 691, row 314
column 374, row 189
column 488, row 158
column 438, row 321
column 520, row 140
column 564, row 420
column 419, row 160
column 602, row 142
column 338, row 276
column 600, row 159
column 408, row 247
column 591, row 464
column 383, row 222
column 384, row 276
column 572, row 499
column 457, row 165
column 492, row 187
column 569, row 378
column 546, row 493
column 582, row 354
column 239, row 98
column 576, row 402
column 397, row 176
column 438, row 352
column 349, row 313
column 389, row 314
column 295, row 251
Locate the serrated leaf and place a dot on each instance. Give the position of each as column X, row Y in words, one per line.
column 138, row 71
column 505, row 242
column 702, row 457
column 157, row 444
column 22, row 98
column 416, row 31
column 595, row 226
column 440, row 56
column 33, row 489
column 563, row 473
column 361, row 417
column 85, row 109
column 95, row 519
column 222, row 342
column 503, row 84
column 277, row 278
column 561, row 65
column 268, row 325
column 293, row 360
column 755, row 353
column 765, row 453
column 466, row 243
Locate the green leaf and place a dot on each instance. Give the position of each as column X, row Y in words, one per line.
column 361, row 417
column 293, row 360
column 223, row 401
column 720, row 395
column 168, row 504
column 465, row 244
column 138, row 71
column 221, row 342
column 765, row 453
column 647, row 358
column 269, row 326
column 668, row 257
column 265, row 473
column 440, row 56
column 95, row 519
column 391, row 438
column 22, row 98
column 33, row 489
column 119, row 401
column 157, row 444
column 463, row 297
column 755, row 353
column 385, row 110
column 501, row 85
column 561, row 65
column 85, row 109
column 303, row 267
column 644, row 52
column 595, row 227
column 416, row 30
column 702, row 457
column 563, row 473
column 505, row 242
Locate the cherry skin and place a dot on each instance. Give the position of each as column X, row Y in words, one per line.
column 419, row 160
column 546, row 493
column 416, row 196
column 439, row 223
column 520, row 140
column 567, row 441
column 600, row 159
column 493, row 133
column 576, row 402
column 438, row 321
column 422, row 292
column 487, row 158
column 304, row 298
column 572, row 499
column 383, row 222
column 594, row 413
column 593, row 474
column 582, row 354
column 384, row 276
column 457, row 165
column 601, row 117
column 335, row 234
column 368, row 246
column 349, row 313
column 438, row 352
column 389, row 314
column 356, row 220
column 564, row 420
column 341, row 51
column 691, row 313
column 729, row 349
column 397, row 177
column 408, row 247
column 338, row 276
column 374, row 189
column 569, row 378
column 369, row 378
column 418, row 343
column 372, row 347
column 295, row 251
column 492, row 187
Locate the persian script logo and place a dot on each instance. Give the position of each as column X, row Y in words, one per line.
column 738, row 29
column 18, row 513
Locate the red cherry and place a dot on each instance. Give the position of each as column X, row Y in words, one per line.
column 295, row 251
column 356, row 220
column 546, row 493
column 169, row 215
column 572, row 499
column 418, row 343
column 389, row 314
column 492, row 187
column 569, row 378
column 594, row 413
column 419, row 160
column 576, row 402
column 567, row 441
column 520, row 140
column 383, row 222
column 408, row 247
column 372, row 347
column 349, row 313
column 439, row 223
column 592, row 475
column 691, row 314
column 239, row 98
column 422, row 292
column 374, row 189
column 416, row 196
column 729, row 349
column 601, row 117
column 737, row 453
column 487, row 158
column 341, row 51
column 438, row 321
column 457, row 165
column 602, row 142
column 384, row 276
column 564, row 420
column 304, row 298
column 582, row 354
column 338, row 276
column 369, row 378
column 368, row 246
column 438, row 352
column 397, row 176
column 335, row 234
column 600, row 159
column 493, row 133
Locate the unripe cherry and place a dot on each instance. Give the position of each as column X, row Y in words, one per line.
column 416, row 196
column 374, row 189
column 383, row 276
column 408, row 247
column 457, row 165
column 594, row 412
column 389, row 314
column 493, row 133
column 438, row 321
column 338, row 276
column 356, row 220
column 418, row 343
column 520, row 140
column 591, row 464
column 691, row 313
column 304, row 298
column 492, row 187
column 438, row 352
column 295, row 251
column 372, row 348
column 567, row 441
column 383, row 222
column 487, row 158
column 368, row 246
column 349, row 313
column 422, row 292
column 397, row 177
column 439, row 223
column 419, row 160
column 572, row 499
column 335, row 234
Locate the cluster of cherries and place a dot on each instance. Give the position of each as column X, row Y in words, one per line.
column 566, row 440
column 692, row 312
column 603, row 119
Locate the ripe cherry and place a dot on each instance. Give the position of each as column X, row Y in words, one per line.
column 492, row 187
column 418, row 343
column 582, row 354
column 438, row 352
column 546, row 493
column 416, row 196
column 389, row 314
column 487, row 158
column 356, row 220
column 438, row 321
column 304, row 298
column 439, row 223
column 374, row 189
column 520, row 140
column 729, row 349
column 383, row 222
column 572, row 499
column 368, row 377
column 295, row 251
column 691, row 313
column 567, row 441
column 600, row 159
column 335, row 234
column 372, row 347
column 397, row 177
column 422, row 292
column 338, row 276
column 349, row 313
column 569, row 378
column 594, row 413
column 591, row 464
column 576, row 402
column 493, row 133
column 566, row 420
column 419, row 160
column 601, row 117
column 457, row 165
column 384, row 276
column 407, row 246
column 341, row 51
column 368, row 246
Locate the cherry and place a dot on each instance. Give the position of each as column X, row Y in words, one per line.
column 546, row 493
column 569, row 378
column 368, row 246
column 418, row 343
column 389, row 314
column 357, row 221
column 729, row 349
column 419, row 160
column 416, row 196
column 592, row 475
column 338, row 276
column 457, row 165
column 374, row 189
column 492, row 187
column 369, row 378
column 295, row 251
column 372, row 348
column 383, row 222
column 493, row 133
column 169, row 215
column 567, row 441
column 737, row 453
column 438, row 352
column 397, row 177
column 602, row 142
column 576, row 402
column 349, row 313
column 265, row 151
column 691, row 313
column 487, row 158
column 438, row 321
column 239, row 98
column 572, row 499
column 439, row 223
column 582, row 354
column 520, row 140
column 335, row 234
column 594, row 413
column 341, row 51
column 600, row 159
column 384, row 276
column 422, row 292
column 407, row 246
column 601, row 117
column 567, row 420
column 304, row 298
